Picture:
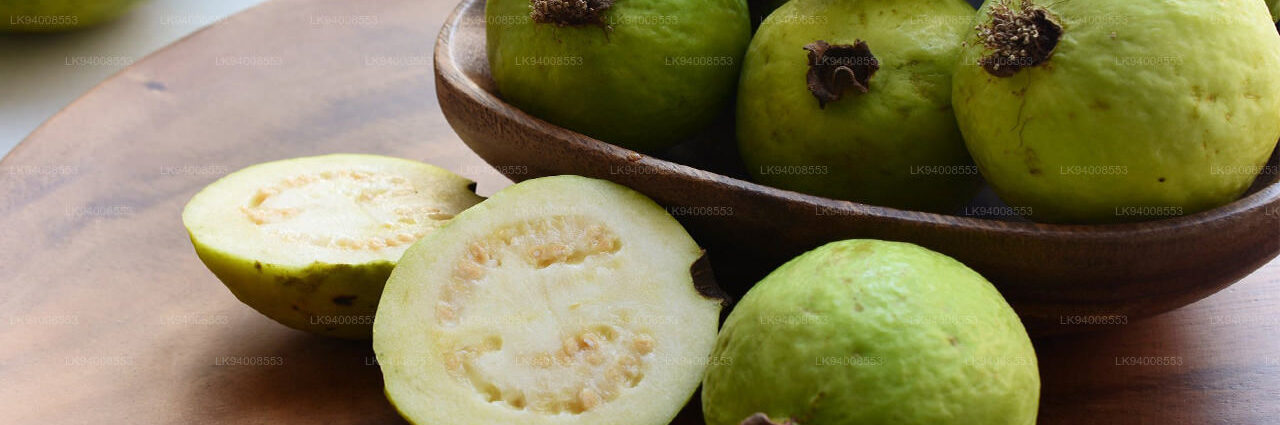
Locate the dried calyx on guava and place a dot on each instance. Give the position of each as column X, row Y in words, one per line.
column 839, row 68
column 1074, row 116
column 560, row 300
column 641, row 74
column 857, row 106
column 309, row 242
column 872, row 332
column 569, row 12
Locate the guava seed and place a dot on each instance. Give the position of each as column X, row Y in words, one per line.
column 275, row 207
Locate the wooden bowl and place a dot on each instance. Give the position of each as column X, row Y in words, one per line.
column 1055, row 276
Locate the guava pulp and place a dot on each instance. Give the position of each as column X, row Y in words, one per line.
column 560, row 300
column 873, row 332
column 309, row 242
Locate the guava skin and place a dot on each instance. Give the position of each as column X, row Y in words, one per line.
column 59, row 15
column 652, row 74
column 873, row 332
column 1144, row 109
column 882, row 147
column 337, row 300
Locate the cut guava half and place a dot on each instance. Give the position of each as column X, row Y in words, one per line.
column 310, row 241
column 560, row 300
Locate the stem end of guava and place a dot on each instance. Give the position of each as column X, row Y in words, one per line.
column 834, row 69
column 763, row 419
column 573, row 13
column 1017, row 39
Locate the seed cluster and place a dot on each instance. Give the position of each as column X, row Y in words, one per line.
column 409, row 220
column 1017, row 38
column 593, row 363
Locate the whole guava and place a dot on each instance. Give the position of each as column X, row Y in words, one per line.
column 642, row 74
column 59, row 15
column 852, row 100
column 1104, row 111
column 872, row 332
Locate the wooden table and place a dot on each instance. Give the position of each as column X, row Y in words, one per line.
column 107, row 316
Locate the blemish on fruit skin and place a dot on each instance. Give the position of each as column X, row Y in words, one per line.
column 344, row 300
column 1161, row 180
column 953, row 341
column 155, row 86
column 258, row 266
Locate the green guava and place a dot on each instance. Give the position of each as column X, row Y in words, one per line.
column 1103, row 111
column 309, row 242
column 59, row 15
column 1274, row 5
column 560, row 300
column 852, row 100
column 872, row 332
column 642, row 74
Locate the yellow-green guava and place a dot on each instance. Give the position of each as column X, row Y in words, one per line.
column 852, row 100
column 309, row 242
column 872, row 332
column 1089, row 111
column 59, row 15
column 642, row 74
column 559, row 301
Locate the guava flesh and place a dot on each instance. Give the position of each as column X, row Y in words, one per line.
column 310, row 242
column 1141, row 110
column 644, row 74
column 560, row 300
column 872, row 332
column 58, row 15
column 883, row 136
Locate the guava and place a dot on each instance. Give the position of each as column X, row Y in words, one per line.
column 560, row 300
column 59, row 15
column 852, row 100
column 1090, row 111
column 309, row 242
column 872, row 332
column 1274, row 5
column 642, row 74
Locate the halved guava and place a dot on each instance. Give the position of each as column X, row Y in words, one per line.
column 560, row 300
column 310, row 241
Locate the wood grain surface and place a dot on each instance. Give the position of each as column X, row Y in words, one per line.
column 106, row 315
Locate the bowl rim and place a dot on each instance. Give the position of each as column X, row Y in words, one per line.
column 448, row 70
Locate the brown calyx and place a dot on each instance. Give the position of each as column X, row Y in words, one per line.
column 704, row 280
column 1017, row 38
column 569, row 12
column 834, row 69
column 762, row 419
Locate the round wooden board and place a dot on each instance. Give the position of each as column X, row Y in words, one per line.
column 106, row 314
